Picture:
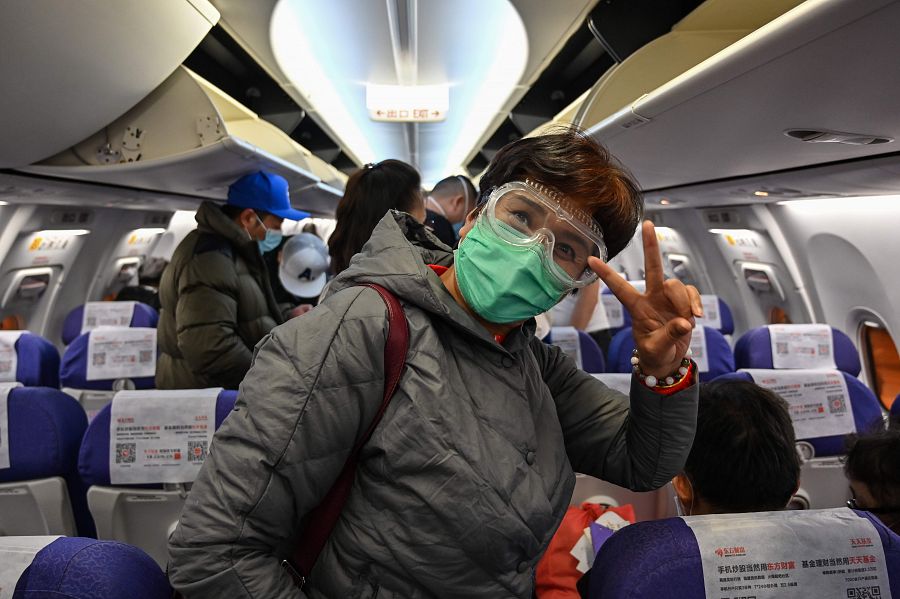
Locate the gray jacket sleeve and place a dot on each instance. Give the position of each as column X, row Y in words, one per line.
column 314, row 387
column 639, row 442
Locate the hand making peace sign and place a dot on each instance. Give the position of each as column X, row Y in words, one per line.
column 663, row 316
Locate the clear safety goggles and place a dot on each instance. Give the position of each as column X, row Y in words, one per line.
column 525, row 213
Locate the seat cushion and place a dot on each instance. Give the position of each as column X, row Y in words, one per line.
column 93, row 457
column 80, row 568
column 754, row 350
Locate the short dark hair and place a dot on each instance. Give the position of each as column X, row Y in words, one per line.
column 453, row 185
column 232, row 211
column 370, row 193
column 874, row 460
column 743, row 458
column 572, row 163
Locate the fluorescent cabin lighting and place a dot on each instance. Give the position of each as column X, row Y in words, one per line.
column 2, row 203
column 61, row 232
column 852, row 204
column 733, row 232
column 150, row 231
column 761, row 194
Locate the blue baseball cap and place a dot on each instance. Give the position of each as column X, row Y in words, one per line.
column 264, row 191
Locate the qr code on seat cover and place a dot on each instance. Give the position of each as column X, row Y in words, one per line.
column 196, row 451
column 125, row 453
column 864, row 593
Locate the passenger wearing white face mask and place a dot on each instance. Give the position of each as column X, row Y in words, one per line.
column 215, row 296
column 447, row 206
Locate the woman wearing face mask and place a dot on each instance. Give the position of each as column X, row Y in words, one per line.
column 216, row 300
column 470, row 470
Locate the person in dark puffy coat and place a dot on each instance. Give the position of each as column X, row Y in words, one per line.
column 470, row 470
column 215, row 295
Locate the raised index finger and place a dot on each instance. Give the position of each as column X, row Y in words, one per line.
column 653, row 268
column 621, row 288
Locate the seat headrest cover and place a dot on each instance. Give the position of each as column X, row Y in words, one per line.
column 865, row 408
column 718, row 359
column 74, row 369
column 93, row 457
column 754, row 349
column 661, row 559
column 716, row 314
column 79, row 568
column 142, row 316
column 36, row 360
column 45, row 430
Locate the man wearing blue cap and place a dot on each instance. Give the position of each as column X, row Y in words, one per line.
column 215, row 295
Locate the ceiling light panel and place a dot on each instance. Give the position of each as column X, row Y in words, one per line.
column 331, row 52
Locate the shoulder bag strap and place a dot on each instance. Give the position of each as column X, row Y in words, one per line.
column 323, row 517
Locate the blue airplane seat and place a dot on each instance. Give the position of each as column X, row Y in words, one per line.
column 143, row 316
column 867, row 413
column 37, row 361
column 754, row 350
column 93, row 457
column 74, row 368
column 660, row 559
column 720, row 358
column 42, row 492
column 80, row 568
column 726, row 317
column 139, row 514
column 591, row 355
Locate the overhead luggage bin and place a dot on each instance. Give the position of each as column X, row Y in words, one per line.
column 826, row 64
column 189, row 138
column 50, row 99
column 711, row 27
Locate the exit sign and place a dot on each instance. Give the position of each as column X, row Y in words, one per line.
column 407, row 103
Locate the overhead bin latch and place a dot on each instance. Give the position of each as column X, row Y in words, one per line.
column 132, row 140
column 209, row 128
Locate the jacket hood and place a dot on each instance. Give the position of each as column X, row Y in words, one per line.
column 211, row 219
column 396, row 257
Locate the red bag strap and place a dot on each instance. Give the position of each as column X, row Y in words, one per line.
column 323, row 517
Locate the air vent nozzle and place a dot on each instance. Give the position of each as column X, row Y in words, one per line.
column 819, row 136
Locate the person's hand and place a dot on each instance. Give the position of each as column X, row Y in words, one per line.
column 662, row 317
column 301, row 310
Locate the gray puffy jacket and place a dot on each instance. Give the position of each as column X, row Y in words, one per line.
column 464, row 481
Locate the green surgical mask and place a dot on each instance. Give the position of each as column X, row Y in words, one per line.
column 501, row 282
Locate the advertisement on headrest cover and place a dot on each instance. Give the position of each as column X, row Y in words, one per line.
column 160, row 436
column 16, row 554
column 802, row 346
column 699, row 353
column 712, row 318
column 106, row 314
column 9, row 359
column 778, row 555
column 819, row 400
column 614, row 311
column 121, row 354
column 566, row 339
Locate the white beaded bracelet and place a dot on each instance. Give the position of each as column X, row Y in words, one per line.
column 651, row 381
